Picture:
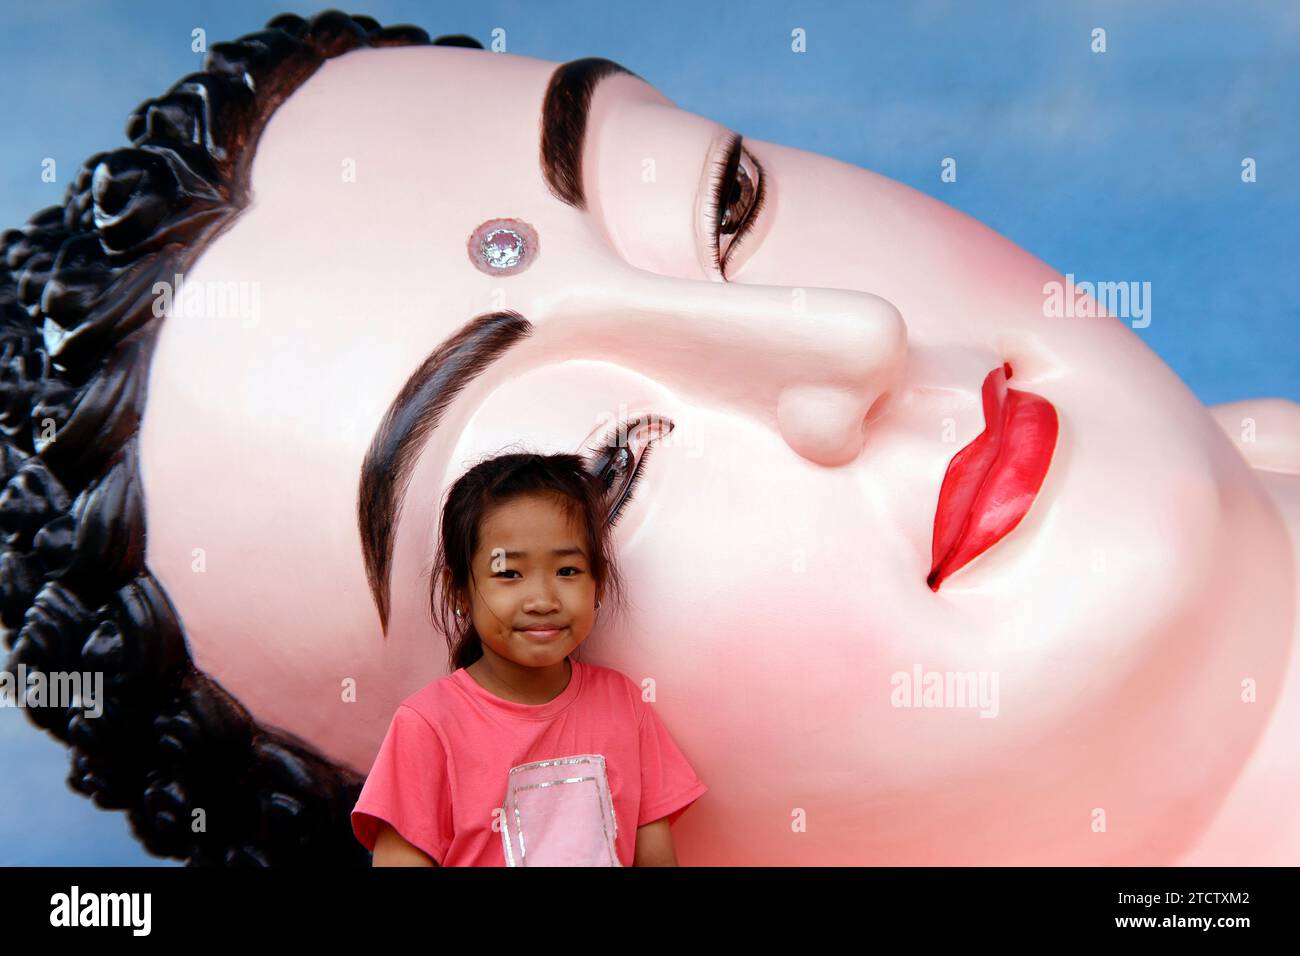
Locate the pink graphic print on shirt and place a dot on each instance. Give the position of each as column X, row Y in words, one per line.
column 559, row 813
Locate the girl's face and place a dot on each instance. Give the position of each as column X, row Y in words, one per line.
column 530, row 571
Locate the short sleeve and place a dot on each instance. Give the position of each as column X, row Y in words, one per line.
column 408, row 787
column 668, row 784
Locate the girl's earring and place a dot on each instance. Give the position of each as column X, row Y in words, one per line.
column 597, row 605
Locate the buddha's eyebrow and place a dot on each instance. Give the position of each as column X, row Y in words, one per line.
column 565, row 111
column 406, row 427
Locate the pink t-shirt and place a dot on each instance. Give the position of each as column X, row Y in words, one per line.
column 467, row 777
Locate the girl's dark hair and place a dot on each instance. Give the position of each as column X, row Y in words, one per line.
column 488, row 485
column 77, row 331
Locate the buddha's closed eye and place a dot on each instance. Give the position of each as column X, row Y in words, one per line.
column 620, row 455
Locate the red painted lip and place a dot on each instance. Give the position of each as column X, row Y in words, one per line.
column 991, row 483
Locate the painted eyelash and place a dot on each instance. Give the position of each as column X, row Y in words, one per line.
column 632, row 483
column 610, row 443
column 724, row 171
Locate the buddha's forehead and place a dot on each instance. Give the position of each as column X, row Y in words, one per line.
column 433, row 122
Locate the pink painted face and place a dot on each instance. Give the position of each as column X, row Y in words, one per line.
column 778, row 546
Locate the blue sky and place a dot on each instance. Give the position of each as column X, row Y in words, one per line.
column 1122, row 166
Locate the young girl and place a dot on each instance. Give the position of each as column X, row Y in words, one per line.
column 523, row 756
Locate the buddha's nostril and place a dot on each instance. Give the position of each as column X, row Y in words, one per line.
column 877, row 408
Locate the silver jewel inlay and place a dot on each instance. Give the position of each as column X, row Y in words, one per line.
column 502, row 248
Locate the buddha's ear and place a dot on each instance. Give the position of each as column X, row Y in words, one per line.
column 1265, row 430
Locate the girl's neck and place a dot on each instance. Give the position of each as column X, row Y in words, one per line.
column 518, row 683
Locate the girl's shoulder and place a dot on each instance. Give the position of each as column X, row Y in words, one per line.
column 600, row 674
column 435, row 699
column 613, row 686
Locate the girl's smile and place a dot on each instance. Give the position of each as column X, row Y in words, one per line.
column 544, row 634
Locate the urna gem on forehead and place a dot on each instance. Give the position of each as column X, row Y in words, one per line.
column 503, row 247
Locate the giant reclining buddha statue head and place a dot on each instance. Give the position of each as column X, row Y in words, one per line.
column 248, row 355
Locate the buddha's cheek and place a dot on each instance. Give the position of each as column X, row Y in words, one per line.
column 848, row 720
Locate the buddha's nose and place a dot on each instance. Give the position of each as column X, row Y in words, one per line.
column 851, row 351
column 818, row 365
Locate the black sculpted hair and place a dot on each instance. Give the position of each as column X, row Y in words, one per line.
column 77, row 330
column 566, row 478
